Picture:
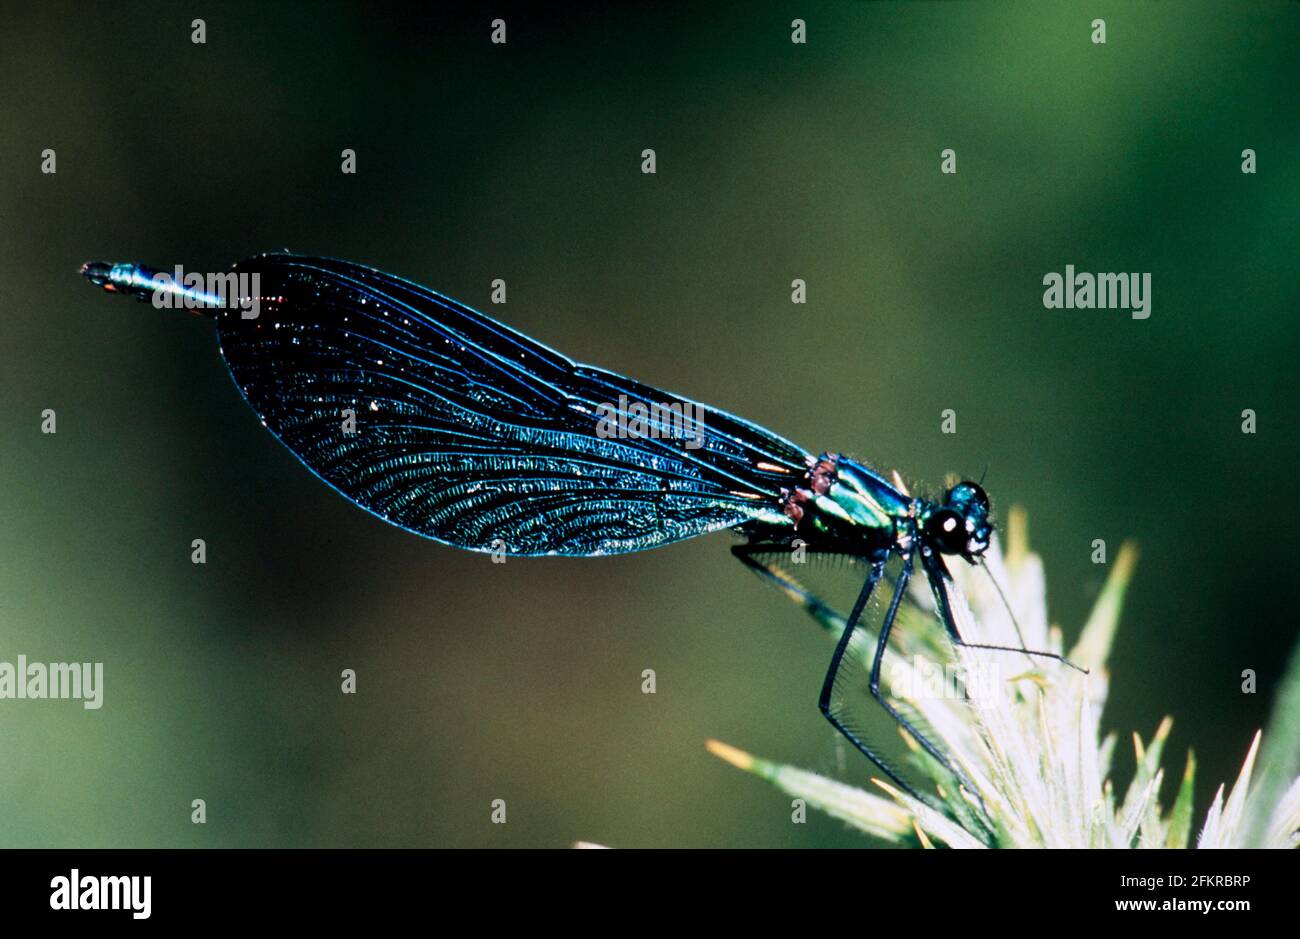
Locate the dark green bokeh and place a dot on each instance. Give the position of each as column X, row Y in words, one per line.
column 478, row 161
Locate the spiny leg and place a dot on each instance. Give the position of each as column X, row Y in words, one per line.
column 828, row 617
column 882, row 641
column 825, row 702
column 938, row 576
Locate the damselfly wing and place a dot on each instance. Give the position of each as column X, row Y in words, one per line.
column 449, row 424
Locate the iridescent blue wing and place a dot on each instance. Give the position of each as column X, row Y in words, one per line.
column 473, row 434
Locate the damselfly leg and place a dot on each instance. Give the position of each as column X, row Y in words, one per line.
column 845, row 627
column 938, row 576
column 825, row 614
column 882, row 641
column 813, row 605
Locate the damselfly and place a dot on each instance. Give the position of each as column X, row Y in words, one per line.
column 442, row 421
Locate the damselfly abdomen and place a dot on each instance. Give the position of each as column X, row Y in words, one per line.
column 444, row 422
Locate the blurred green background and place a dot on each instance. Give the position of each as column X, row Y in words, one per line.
column 522, row 161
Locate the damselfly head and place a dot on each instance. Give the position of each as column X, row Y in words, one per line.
column 960, row 524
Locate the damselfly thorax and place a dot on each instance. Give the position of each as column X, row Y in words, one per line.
column 844, row 507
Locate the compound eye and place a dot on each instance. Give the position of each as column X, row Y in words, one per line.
column 967, row 492
column 946, row 530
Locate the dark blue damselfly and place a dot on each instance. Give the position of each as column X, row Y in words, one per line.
column 474, row 435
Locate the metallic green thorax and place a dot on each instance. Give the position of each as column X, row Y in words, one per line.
column 847, row 507
column 844, row 507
